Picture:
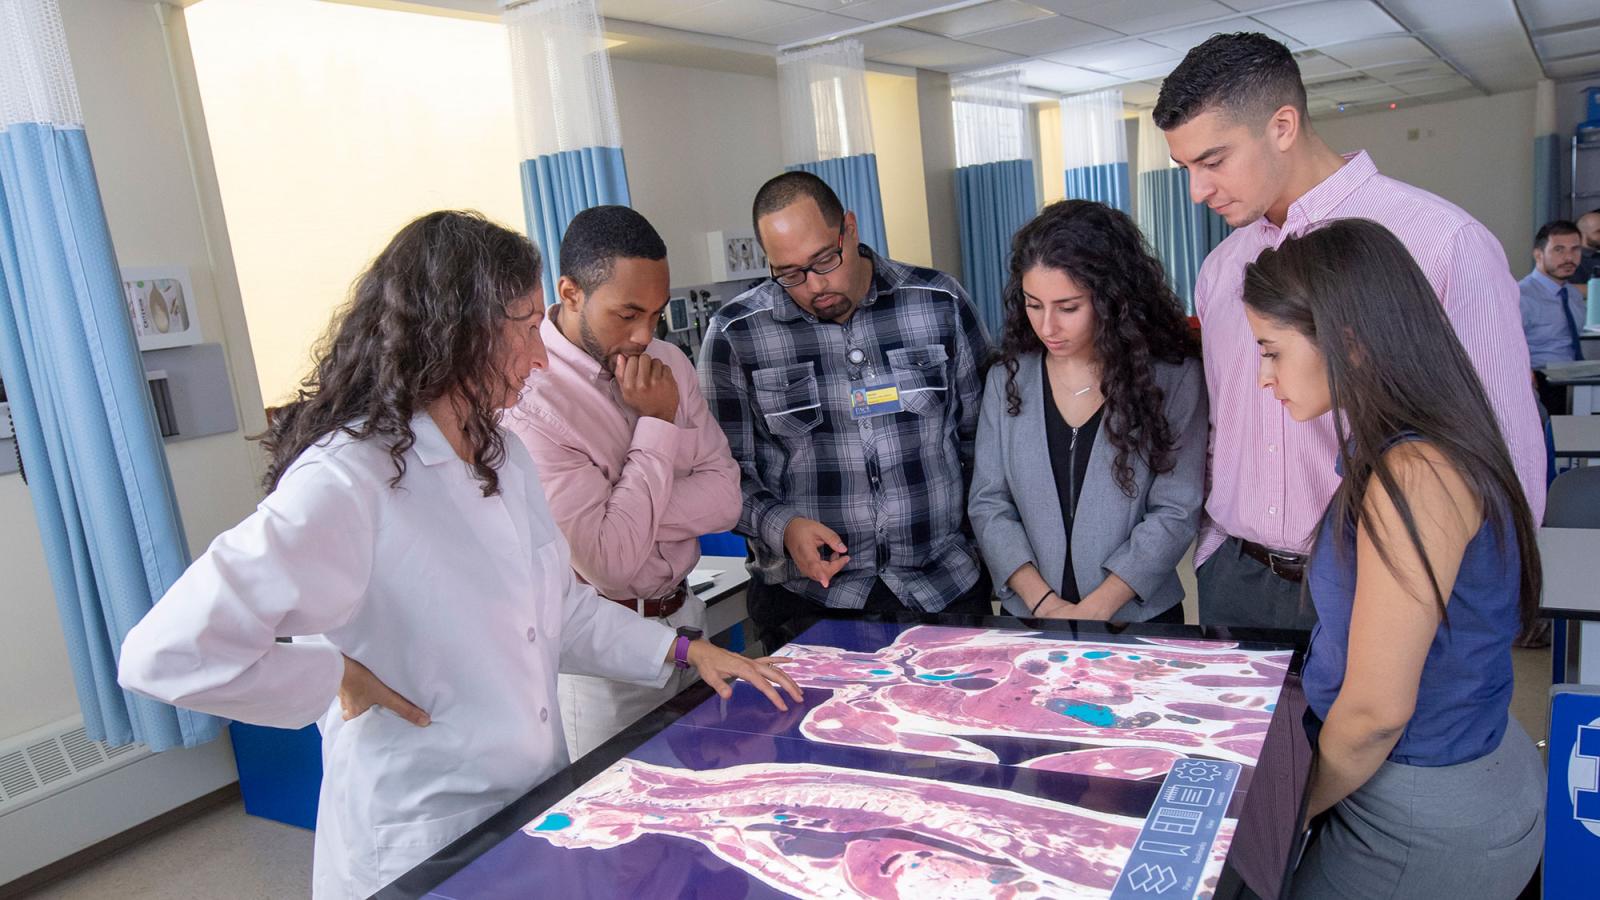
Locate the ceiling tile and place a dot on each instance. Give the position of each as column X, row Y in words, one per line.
column 1116, row 56
column 1041, row 37
column 1379, row 52
column 1334, row 20
column 802, row 29
column 1051, row 76
column 1315, row 64
column 1337, row 84
column 879, row 10
column 1575, row 42
column 1433, row 85
column 652, row 11
column 1140, row 93
column 1185, row 39
column 1573, row 68
column 1411, row 71
column 945, row 54
column 733, row 18
column 1156, row 71
column 1248, row 5
column 984, row 17
column 1361, row 94
column 1138, row 16
column 1544, row 14
column 833, row 6
column 1065, row 7
column 893, row 40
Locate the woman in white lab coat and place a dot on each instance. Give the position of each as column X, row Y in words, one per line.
column 407, row 531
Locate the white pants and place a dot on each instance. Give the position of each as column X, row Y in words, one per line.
column 594, row 710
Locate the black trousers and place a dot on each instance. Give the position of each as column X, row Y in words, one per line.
column 781, row 615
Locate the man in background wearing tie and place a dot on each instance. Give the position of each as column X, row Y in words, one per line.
column 1552, row 311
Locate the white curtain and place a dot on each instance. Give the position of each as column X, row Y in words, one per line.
column 991, row 117
column 561, row 77
column 566, row 110
column 1092, row 130
column 1153, row 155
column 1095, row 149
column 994, row 180
column 822, row 98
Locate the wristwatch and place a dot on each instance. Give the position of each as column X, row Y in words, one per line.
column 680, row 647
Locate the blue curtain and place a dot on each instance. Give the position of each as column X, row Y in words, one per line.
column 96, row 468
column 855, row 180
column 1170, row 225
column 558, row 186
column 1107, row 183
column 1546, row 179
column 1180, row 231
column 993, row 201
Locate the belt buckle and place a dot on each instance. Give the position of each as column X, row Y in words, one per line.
column 1273, row 558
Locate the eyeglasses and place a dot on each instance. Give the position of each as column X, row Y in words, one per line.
column 824, row 264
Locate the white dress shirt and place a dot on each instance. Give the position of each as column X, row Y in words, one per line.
column 464, row 604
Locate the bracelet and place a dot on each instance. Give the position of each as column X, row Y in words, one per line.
column 1035, row 610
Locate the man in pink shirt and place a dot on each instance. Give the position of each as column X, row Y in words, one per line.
column 1234, row 113
column 632, row 463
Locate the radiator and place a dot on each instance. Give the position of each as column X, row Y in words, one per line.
column 61, row 792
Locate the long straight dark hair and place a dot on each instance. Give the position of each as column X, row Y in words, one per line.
column 1139, row 322
column 424, row 320
column 1395, row 368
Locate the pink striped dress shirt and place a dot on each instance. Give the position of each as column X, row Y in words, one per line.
column 632, row 495
column 1271, row 477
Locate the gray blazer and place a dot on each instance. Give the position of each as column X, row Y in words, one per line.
column 1016, row 511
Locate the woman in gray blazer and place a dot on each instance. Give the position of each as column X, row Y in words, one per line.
column 1091, row 449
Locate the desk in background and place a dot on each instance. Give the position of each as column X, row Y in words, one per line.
column 1584, row 380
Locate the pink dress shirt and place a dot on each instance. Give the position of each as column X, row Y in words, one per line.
column 1271, row 477
column 632, row 495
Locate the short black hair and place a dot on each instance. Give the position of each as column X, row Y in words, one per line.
column 1551, row 229
column 596, row 237
column 789, row 188
column 1248, row 75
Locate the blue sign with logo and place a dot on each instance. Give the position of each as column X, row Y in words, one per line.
column 1572, row 808
column 1169, row 858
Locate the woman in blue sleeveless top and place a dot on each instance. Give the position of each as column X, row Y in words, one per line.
column 1424, row 571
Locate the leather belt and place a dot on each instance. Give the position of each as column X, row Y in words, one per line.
column 659, row 608
column 1288, row 566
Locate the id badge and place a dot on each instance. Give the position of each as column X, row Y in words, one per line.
column 875, row 398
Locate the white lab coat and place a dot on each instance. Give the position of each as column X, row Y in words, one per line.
column 464, row 604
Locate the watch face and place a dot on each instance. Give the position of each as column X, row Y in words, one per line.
column 692, row 634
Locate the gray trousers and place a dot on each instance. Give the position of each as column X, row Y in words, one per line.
column 1473, row 830
column 1236, row 590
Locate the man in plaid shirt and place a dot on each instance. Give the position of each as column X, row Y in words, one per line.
column 848, row 387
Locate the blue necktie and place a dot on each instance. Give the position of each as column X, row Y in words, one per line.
column 1572, row 324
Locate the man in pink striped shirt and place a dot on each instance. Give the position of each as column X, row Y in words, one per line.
column 632, row 463
column 1234, row 114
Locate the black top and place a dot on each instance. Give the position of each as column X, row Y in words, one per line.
column 1069, row 458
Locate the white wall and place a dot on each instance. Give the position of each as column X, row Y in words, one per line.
column 1477, row 153
column 698, row 144
column 136, row 133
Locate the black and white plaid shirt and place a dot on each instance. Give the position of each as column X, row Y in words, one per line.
column 893, row 486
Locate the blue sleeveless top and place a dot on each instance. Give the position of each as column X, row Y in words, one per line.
column 1466, row 681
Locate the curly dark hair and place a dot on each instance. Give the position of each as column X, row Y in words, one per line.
column 423, row 321
column 1139, row 321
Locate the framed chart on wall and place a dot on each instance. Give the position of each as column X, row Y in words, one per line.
column 735, row 256
column 161, row 305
